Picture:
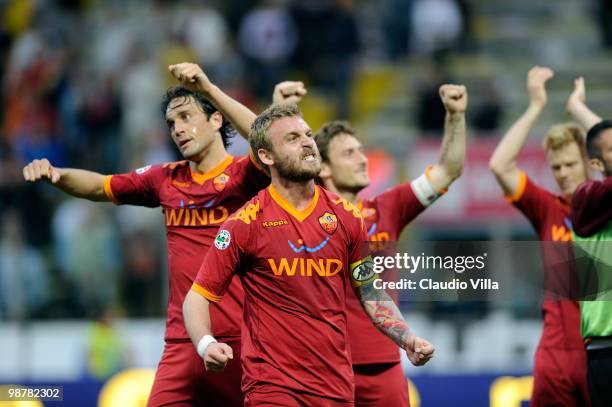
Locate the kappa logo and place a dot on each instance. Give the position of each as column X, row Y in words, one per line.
column 220, row 181
column 274, row 223
column 180, row 184
column 363, row 270
column 223, row 239
column 329, row 222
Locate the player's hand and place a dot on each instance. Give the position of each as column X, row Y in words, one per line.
column 288, row 92
column 578, row 96
column 454, row 98
column 419, row 351
column 536, row 85
column 41, row 169
column 216, row 356
column 191, row 76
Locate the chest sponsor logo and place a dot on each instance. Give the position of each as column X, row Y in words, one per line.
column 220, row 181
column 274, row 223
column 223, row 239
column 560, row 233
column 191, row 216
column 305, row 267
column 329, row 222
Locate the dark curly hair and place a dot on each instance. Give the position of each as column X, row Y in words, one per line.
column 226, row 130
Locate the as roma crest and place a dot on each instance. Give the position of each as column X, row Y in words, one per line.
column 220, row 181
column 329, row 222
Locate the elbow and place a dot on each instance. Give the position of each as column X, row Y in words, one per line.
column 495, row 167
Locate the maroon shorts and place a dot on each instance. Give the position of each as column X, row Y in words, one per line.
column 560, row 378
column 182, row 380
column 270, row 395
column 379, row 385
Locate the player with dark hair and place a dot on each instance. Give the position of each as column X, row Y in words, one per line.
column 560, row 364
column 197, row 195
column 296, row 248
column 592, row 218
column 379, row 378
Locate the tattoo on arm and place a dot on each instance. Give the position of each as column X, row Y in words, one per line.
column 384, row 313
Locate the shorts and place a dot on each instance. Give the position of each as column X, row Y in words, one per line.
column 560, row 378
column 270, row 395
column 182, row 380
column 381, row 385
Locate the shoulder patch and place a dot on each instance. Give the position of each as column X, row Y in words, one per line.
column 247, row 214
column 349, row 207
column 223, row 239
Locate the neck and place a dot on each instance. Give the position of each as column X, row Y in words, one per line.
column 298, row 194
column 347, row 195
column 209, row 158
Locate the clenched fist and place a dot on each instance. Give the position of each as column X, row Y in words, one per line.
column 454, row 98
column 191, row 77
column 419, row 351
column 41, row 169
column 288, row 92
column 216, row 356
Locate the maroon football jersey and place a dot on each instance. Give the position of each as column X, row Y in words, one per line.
column 294, row 266
column 550, row 217
column 194, row 206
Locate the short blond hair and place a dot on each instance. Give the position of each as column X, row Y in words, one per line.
column 562, row 134
column 258, row 136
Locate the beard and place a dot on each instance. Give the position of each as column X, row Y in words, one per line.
column 292, row 171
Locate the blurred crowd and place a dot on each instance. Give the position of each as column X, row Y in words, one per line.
column 81, row 82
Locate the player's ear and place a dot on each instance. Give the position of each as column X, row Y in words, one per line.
column 216, row 119
column 597, row 165
column 265, row 156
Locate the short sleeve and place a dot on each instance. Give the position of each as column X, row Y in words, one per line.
column 222, row 260
column 360, row 262
column 139, row 187
column 533, row 201
column 591, row 209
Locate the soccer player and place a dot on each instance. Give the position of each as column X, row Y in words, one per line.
column 197, row 195
column 592, row 219
column 296, row 248
column 560, row 361
column 379, row 378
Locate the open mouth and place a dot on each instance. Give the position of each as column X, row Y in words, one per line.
column 183, row 142
column 309, row 157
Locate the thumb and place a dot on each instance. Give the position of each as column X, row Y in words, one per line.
column 227, row 350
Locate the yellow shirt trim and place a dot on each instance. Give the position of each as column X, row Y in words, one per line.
column 109, row 191
column 299, row 215
column 521, row 189
column 205, row 293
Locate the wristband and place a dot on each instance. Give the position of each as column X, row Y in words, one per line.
column 203, row 344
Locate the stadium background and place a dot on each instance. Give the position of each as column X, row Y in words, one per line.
column 83, row 285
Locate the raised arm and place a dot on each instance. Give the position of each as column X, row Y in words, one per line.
column 192, row 77
column 387, row 317
column 503, row 160
column 196, row 313
column 577, row 108
column 452, row 153
column 79, row 183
